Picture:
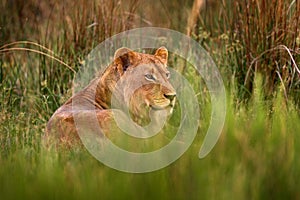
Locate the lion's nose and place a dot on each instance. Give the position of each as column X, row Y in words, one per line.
column 170, row 96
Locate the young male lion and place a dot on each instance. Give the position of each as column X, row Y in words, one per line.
column 137, row 80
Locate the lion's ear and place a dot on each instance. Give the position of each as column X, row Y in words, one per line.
column 124, row 57
column 162, row 54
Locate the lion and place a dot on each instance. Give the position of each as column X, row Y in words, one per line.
column 141, row 80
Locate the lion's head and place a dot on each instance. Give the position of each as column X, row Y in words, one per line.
column 144, row 82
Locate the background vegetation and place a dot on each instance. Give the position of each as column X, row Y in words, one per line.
column 255, row 44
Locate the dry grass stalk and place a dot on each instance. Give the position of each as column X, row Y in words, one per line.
column 198, row 5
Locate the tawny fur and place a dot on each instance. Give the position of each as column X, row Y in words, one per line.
column 97, row 95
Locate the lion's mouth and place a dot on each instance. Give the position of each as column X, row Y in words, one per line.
column 155, row 107
column 161, row 105
column 169, row 108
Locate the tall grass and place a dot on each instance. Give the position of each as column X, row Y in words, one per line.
column 256, row 46
column 256, row 158
column 70, row 29
column 32, row 85
column 249, row 37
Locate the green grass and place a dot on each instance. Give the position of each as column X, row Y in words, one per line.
column 259, row 36
column 257, row 155
column 255, row 158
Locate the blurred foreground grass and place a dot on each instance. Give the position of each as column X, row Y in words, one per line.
column 255, row 158
column 257, row 154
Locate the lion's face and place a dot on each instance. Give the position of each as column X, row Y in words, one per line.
column 152, row 89
column 145, row 82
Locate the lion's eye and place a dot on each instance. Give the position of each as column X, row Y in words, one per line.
column 150, row 77
column 168, row 75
